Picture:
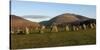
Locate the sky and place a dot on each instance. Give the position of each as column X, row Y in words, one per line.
column 49, row 10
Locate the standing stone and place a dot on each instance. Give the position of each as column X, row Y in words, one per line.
column 77, row 28
column 74, row 28
column 19, row 31
column 67, row 28
column 42, row 29
column 91, row 25
column 27, row 30
column 94, row 25
column 80, row 27
column 12, row 32
column 84, row 26
column 54, row 29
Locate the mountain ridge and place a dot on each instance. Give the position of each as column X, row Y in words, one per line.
column 66, row 18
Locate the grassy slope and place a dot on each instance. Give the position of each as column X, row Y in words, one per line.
column 34, row 40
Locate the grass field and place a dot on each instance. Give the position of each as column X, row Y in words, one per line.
column 37, row 40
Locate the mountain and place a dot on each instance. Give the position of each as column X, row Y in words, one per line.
column 18, row 22
column 66, row 18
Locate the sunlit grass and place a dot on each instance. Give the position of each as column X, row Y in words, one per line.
column 48, row 39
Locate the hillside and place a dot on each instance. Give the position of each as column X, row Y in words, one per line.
column 18, row 22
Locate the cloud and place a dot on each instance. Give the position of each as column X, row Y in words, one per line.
column 37, row 20
column 35, row 17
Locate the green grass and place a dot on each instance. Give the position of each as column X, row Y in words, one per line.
column 37, row 40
